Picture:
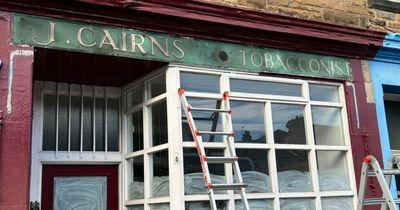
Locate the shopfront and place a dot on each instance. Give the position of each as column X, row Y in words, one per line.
column 108, row 129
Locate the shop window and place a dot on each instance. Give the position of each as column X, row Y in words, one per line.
column 77, row 118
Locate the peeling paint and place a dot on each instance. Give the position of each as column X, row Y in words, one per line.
column 367, row 82
column 350, row 84
column 14, row 54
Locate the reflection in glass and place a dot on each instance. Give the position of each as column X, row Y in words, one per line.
column 163, row 206
column 297, row 204
column 159, row 123
column 205, row 121
column 136, row 207
column 324, row 93
column 194, row 181
column 157, row 86
column 135, row 97
column 71, row 193
column 248, row 122
column 136, row 184
column 160, row 179
column 75, row 123
column 336, row 203
column 288, row 124
column 263, row 87
column 327, row 125
column 63, row 123
column 255, row 204
column 204, row 205
column 332, row 170
column 136, row 131
column 100, row 126
column 49, row 122
column 200, row 82
column 254, row 166
column 293, row 171
column 112, row 124
column 87, row 124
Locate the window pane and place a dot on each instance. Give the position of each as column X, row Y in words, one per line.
column 135, row 96
column 392, row 112
column 164, row 206
column 113, row 124
column 205, row 121
column 87, row 124
column 288, row 124
column 49, row 122
column 63, row 123
column 159, row 123
column 160, row 179
column 75, row 123
column 100, row 139
column 200, row 82
column 194, row 181
column 263, row 87
column 293, row 171
column 157, row 86
column 248, row 122
column 136, row 178
column 297, row 204
column 80, row 193
column 327, row 125
column 254, row 166
column 136, row 207
column 337, row 203
column 332, row 171
column 204, row 205
column 324, row 93
column 255, row 204
column 136, row 130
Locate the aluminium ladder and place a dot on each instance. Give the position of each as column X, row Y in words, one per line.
column 205, row 160
column 383, row 176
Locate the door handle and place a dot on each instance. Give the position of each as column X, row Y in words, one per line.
column 34, row 205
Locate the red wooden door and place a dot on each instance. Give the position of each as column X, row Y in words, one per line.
column 54, row 175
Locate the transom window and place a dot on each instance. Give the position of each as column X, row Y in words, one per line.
column 291, row 137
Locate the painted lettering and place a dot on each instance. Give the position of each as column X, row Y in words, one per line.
column 139, row 44
column 108, row 40
column 177, row 47
column 154, row 42
column 259, row 59
column 325, row 67
column 123, row 41
column 279, row 61
column 289, row 61
column 301, row 62
column 243, row 57
column 339, row 70
column 314, row 65
column 50, row 36
column 79, row 36
column 268, row 60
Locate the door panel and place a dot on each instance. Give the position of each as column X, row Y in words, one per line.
column 81, row 187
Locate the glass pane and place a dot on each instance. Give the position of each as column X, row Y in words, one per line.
column 205, row 121
column 327, row 125
column 337, row 203
column 255, row 204
column 159, row 123
column 392, row 112
column 297, row 204
column 254, row 166
column 80, row 193
column 100, row 127
column 160, row 180
column 164, row 206
column 136, row 131
column 49, row 122
column 135, row 96
column 205, row 205
column 263, row 87
column 87, row 124
column 324, row 93
column 194, row 181
column 200, row 82
column 136, row 178
column 288, row 124
column 332, row 170
column 293, row 171
column 113, row 124
column 157, row 86
column 136, row 207
column 75, row 123
column 248, row 122
column 63, row 123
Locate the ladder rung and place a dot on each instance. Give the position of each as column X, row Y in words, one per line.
column 374, row 201
column 233, row 186
column 386, row 172
column 210, row 110
column 220, row 159
column 214, row 133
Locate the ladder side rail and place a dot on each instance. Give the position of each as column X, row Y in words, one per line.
column 363, row 185
column 200, row 148
column 231, row 147
column 382, row 182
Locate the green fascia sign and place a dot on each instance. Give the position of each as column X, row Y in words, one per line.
column 106, row 40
